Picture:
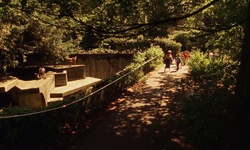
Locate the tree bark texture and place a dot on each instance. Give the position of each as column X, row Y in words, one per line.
column 239, row 133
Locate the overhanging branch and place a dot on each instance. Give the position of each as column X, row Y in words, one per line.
column 137, row 26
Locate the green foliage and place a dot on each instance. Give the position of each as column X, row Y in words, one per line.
column 88, row 23
column 138, row 60
column 221, row 69
column 153, row 52
column 227, row 42
column 52, row 28
column 206, row 109
column 15, row 110
column 92, row 21
column 141, row 57
column 183, row 38
column 168, row 44
column 219, row 27
column 138, row 65
column 205, row 119
column 33, row 38
column 223, row 14
column 198, row 63
column 126, row 44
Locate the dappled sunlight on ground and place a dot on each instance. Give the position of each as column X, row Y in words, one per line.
column 143, row 118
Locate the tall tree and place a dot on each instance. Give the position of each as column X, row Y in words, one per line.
column 239, row 133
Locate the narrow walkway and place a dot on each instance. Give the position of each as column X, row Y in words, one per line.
column 143, row 119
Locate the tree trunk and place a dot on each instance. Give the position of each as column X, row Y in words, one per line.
column 239, row 133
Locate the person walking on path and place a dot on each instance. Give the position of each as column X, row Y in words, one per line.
column 185, row 56
column 167, row 60
column 177, row 61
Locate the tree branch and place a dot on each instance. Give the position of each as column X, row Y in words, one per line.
column 137, row 26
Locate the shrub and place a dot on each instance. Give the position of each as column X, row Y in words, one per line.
column 184, row 39
column 206, row 109
column 168, row 44
column 126, row 44
column 140, row 58
column 198, row 63
column 47, row 43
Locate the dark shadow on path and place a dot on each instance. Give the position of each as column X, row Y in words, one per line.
column 142, row 119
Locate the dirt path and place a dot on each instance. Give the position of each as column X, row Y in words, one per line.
column 143, row 119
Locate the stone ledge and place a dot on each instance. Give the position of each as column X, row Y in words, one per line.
column 73, row 87
column 7, row 83
column 34, row 93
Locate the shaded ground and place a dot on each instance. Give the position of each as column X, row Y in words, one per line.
column 142, row 119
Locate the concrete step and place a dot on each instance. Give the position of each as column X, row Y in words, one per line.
column 73, row 87
column 52, row 100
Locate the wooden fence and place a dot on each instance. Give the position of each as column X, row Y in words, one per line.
column 103, row 65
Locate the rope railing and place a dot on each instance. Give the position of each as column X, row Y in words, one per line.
column 64, row 106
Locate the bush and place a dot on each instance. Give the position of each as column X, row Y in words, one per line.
column 140, row 58
column 198, row 64
column 47, row 43
column 126, row 44
column 168, row 44
column 184, row 39
column 206, row 109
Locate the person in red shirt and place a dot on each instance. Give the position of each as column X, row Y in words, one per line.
column 185, row 56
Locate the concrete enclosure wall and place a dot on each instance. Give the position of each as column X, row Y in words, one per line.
column 96, row 65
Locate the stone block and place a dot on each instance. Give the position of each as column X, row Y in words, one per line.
column 74, row 72
column 34, row 93
column 61, row 78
